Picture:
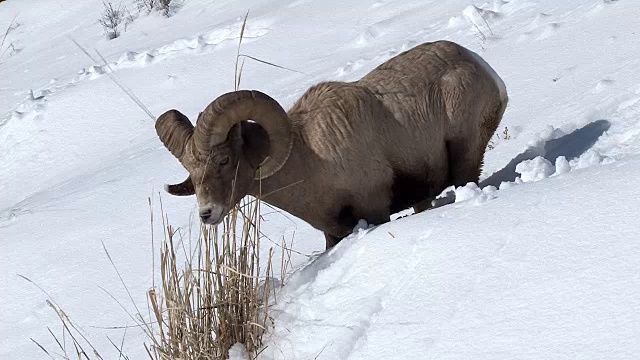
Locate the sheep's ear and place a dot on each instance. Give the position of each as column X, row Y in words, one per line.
column 185, row 188
column 255, row 142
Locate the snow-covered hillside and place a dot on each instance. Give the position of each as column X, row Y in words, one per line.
column 542, row 263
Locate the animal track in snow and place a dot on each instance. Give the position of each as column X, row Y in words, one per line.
column 350, row 66
column 298, row 3
column 379, row 3
column 540, row 28
column 354, row 65
column 540, row 20
column 478, row 14
column 31, row 108
column 603, row 85
column 199, row 44
column 368, row 35
column 34, row 104
column 628, row 103
column 479, row 19
column 382, row 27
column 548, row 30
column 623, row 139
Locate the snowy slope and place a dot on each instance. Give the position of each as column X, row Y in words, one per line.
column 542, row 268
column 467, row 282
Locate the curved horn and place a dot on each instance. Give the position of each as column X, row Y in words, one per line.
column 229, row 109
column 174, row 130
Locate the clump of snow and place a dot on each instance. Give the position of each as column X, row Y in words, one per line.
column 467, row 192
column 535, row 170
column 361, row 229
column 456, row 21
column 479, row 15
column 472, row 191
column 562, row 165
column 506, row 185
column 589, row 158
column 549, row 132
column 238, row 352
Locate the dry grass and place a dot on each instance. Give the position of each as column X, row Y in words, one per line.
column 215, row 293
column 148, row 6
column 218, row 297
column 111, row 18
column 6, row 33
column 505, row 136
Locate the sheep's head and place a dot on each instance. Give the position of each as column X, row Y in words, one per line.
column 225, row 152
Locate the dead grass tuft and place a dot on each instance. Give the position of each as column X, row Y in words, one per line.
column 218, row 297
column 215, row 293
column 505, row 136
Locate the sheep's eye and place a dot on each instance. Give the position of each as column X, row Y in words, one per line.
column 224, row 161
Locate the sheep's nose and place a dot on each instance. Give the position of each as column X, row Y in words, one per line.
column 204, row 215
column 212, row 214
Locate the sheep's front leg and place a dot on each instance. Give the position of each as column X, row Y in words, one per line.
column 341, row 225
column 346, row 222
column 465, row 161
column 331, row 240
column 422, row 205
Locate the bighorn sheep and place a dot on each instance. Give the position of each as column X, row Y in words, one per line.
column 346, row 150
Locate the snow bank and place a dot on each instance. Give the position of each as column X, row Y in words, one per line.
column 542, row 271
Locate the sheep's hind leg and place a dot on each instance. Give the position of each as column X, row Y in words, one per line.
column 465, row 162
column 439, row 179
column 422, row 205
column 466, row 156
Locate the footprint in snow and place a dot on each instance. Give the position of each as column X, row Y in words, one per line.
column 540, row 20
column 564, row 73
column 201, row 43
column 369, row 35
column 31, row 108
column 350, row 67
column 375, row 31
column 34, row 105
column 602, row 85
column 354, row 65
column 379, row 3
column 542, row 27
column 298, row 3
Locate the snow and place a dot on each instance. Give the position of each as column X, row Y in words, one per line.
column 535, row 170
column 521, row 276
column 537, row 261
column 238, row 352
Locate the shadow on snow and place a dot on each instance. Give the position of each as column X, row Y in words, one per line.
column 570, row 146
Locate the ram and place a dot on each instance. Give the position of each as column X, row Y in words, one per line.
column 345, row 150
